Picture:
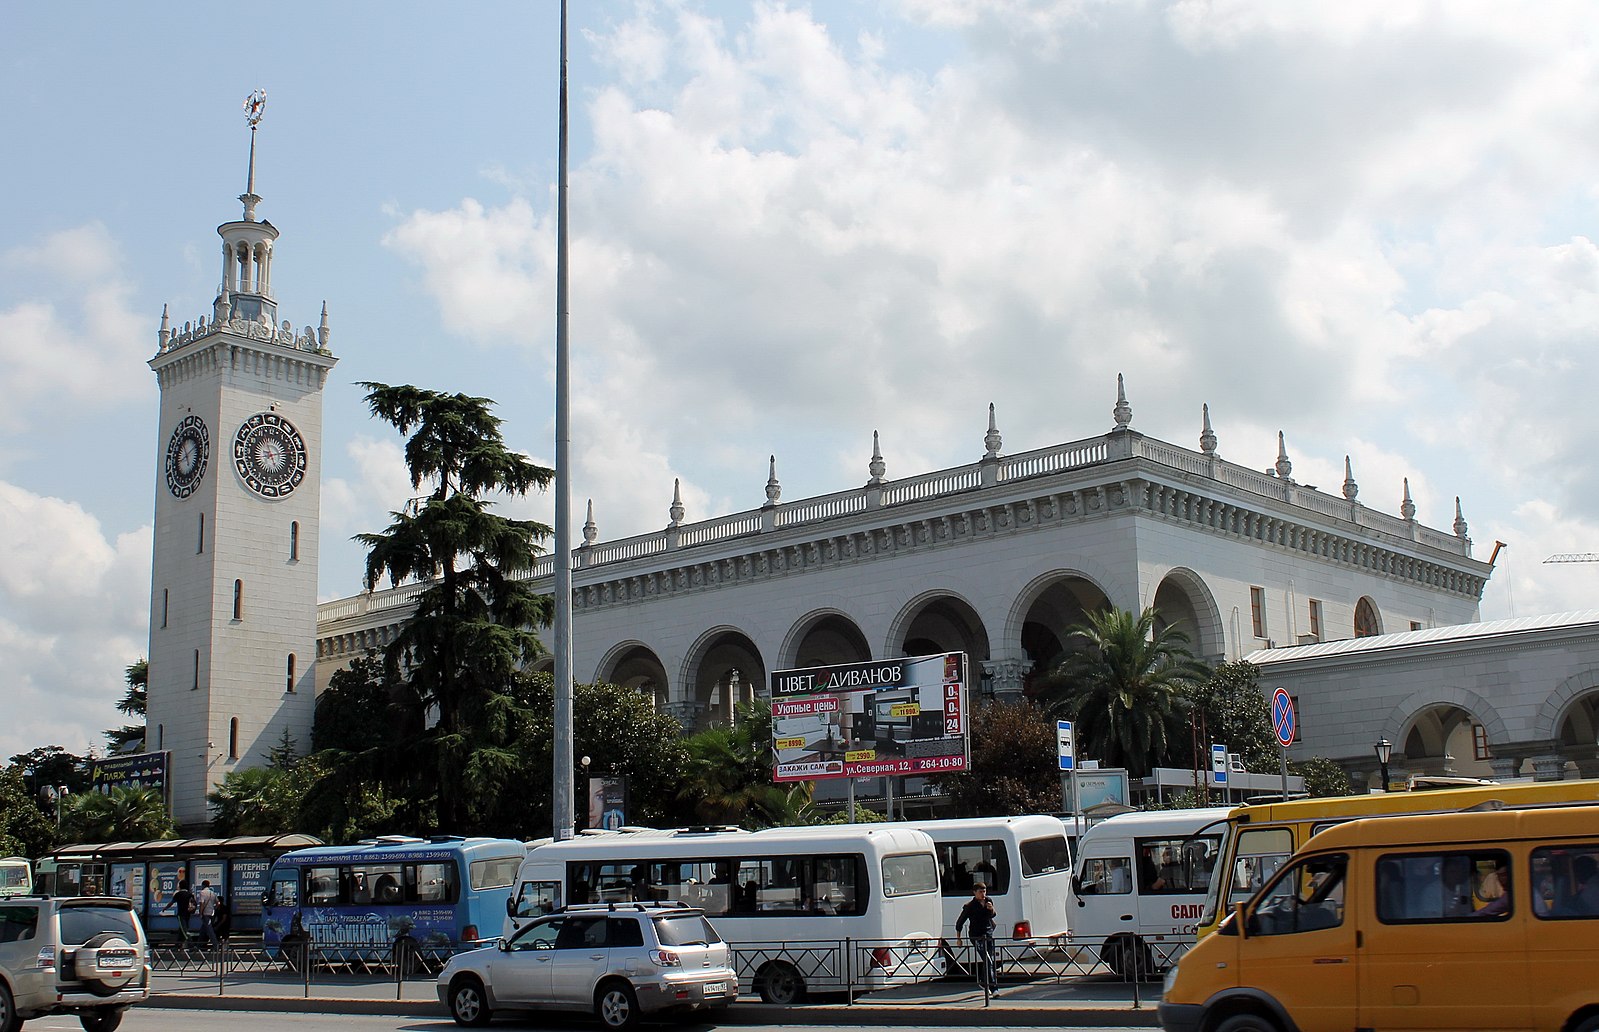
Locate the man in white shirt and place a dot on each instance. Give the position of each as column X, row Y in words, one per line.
column 205, row 901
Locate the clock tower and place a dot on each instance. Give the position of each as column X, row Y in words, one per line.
column 238, row 488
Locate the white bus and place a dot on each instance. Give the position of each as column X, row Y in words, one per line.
column 1025, row 863
column 16, row 876
column 786, row 899
column 1141, row 880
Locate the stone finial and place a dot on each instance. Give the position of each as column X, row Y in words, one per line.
column 1351, row 489
column 676, row 511
column 1207, row 436
column 322, row 332
column 1407, row 508
column 591, row 533
column 1460, row 519
column 1123, row 412
column 1283, row 467
column 774, row 490
column 877, row 467
column 992, row 440
column 165, row 336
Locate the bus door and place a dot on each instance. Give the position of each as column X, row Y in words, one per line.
column 281, row 904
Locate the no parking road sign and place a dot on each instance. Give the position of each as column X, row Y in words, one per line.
column 1282, row 717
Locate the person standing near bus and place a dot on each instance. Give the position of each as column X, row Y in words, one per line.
column 183, row 903
column 979, row 911
column 206, row 902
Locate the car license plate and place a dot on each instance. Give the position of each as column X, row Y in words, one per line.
column 716, row 989
column 121, row 958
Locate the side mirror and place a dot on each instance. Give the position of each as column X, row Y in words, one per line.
column 504, row 946
column 1240, row 920
column 1077, row 884
column 510, row 906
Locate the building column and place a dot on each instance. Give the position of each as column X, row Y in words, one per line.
column 1548, row 767
column 1505, row 767
column 1006, row 675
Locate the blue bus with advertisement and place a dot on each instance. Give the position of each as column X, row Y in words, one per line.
column 437, row 892
column 148, row 873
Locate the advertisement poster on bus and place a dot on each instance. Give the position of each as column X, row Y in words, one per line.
column 886, row 717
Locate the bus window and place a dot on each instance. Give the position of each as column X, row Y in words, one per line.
column 909, row 873
column 1170, row 866
column 285, row 892
column 434, row 883
column 1044, row 856
column 964, row 863
column 322, row 886
column 1106, row 876
column 1260, row 852
column 493, row 874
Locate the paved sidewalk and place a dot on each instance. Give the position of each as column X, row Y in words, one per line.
column 1099, row 1001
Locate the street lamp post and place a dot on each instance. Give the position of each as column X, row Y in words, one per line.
column 1385, row 749
column 581, row 817
column 55, row 794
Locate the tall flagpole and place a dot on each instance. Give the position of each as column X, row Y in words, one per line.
column 563, row 817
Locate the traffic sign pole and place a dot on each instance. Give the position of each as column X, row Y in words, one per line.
column 1284, row 721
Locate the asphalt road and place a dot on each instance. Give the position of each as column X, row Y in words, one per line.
column 157, row 1020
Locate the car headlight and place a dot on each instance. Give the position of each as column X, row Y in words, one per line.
column 1170, row 980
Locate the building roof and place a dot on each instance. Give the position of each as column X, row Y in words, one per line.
column 1587, row 620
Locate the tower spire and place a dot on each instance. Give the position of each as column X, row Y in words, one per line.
column 254, row 108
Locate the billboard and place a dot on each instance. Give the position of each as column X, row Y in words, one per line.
column 607, row 803
column 136, row 770
column 865, row 720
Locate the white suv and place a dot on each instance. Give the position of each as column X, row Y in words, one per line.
column 618, row 960
column 85, row 956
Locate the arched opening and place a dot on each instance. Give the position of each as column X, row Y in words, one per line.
column 1367, row 621
column 1446, row 740
column 827, row 639
column 638, row 667
column 1046, row 628
column 725, row 669
column 1182, row 601
column 1578, row 733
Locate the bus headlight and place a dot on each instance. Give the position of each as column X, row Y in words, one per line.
column 1169, row 981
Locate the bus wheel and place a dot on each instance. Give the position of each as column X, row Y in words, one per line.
column 780, row 983
column 103, row 1019
column 469, row 1004
column 1128, row 957
column 616, row 1006
column 1247, row 1023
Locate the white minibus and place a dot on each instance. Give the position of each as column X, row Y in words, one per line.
column 1025, row 863
column 1141, row 880
column 786, row 899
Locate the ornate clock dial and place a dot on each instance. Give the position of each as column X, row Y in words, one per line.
column 188, row 454
column 269, row 455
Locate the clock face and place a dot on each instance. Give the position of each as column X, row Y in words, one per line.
column 188, row 454
column 269, row 455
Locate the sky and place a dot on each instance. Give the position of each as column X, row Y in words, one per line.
column 1369, row 225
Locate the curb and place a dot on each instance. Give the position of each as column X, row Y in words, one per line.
column 907, row 1015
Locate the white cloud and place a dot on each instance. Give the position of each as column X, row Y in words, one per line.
column 74, row 612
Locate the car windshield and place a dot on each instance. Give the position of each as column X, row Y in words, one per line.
column 685, row 930
column 80, row 924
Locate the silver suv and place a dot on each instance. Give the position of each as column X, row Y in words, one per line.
column 84, row 955
column 618, row 960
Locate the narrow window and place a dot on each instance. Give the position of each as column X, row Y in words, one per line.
column 294, row 541
column 238, row 600
column 1479, row 743
column 166, row 600
column 200, row 548
column 196, row 686
column 160, row 737
column 1415, row 625
column 290, row 687
column 1366, row 622
column 233, row 739
column 1315, row 618
column 1257, row 610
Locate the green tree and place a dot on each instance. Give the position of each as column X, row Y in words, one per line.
column 1323, row 777
column 121, row 815
column 1015, row 767
column 53, row 765
column 472, row 628
column 1229, row 707
column 25, row 829
column 1124, row 690
column 130, row 737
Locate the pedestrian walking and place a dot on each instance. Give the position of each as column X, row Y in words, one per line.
column 979, row 913
column 183, row 903
column 205, row 901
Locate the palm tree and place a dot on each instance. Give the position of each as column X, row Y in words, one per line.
column 1123, row 689
column 122, row 815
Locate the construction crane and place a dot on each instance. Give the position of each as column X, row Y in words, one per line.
column 1573, row 557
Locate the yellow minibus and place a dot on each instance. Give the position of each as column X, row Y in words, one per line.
column 1486, row 919
column 1255, row 840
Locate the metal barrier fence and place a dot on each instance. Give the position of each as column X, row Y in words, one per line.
column 777, row 972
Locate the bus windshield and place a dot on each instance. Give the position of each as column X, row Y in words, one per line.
column 16, row 877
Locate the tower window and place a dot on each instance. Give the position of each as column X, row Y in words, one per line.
column 196, row 686
column 294, row 541
column 1315, row 618
column 160, row 737
column 1257, row 611
column 200, row 547
column 233, row 739
column 238, row 600
column 290, row 686
column 166, row 600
